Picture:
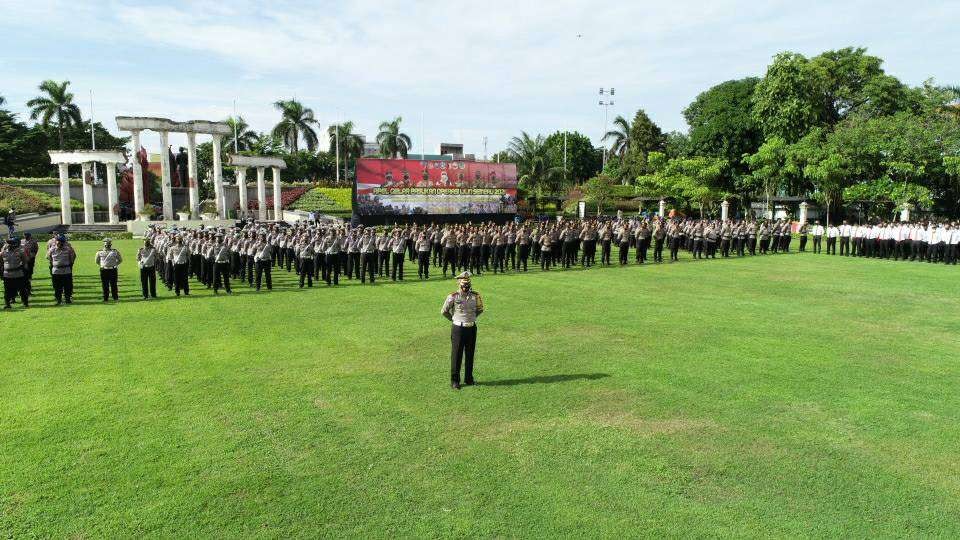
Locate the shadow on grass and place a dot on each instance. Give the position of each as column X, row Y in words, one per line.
column 546, row 379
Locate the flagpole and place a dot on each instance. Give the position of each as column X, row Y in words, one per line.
column 235, row 150
column 423, row 141
column 93, row 138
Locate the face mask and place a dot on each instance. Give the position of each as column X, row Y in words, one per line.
column 465, row 287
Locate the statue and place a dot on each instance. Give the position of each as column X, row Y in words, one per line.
column 181, row 167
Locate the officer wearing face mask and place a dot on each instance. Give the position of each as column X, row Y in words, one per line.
column 462, row 307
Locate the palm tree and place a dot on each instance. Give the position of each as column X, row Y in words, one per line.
column 245, row 137
column 2, row 100
column 533, row 164
column 346, row 142
column 57, row 102
column 392, row 142
column 620, row 137
column 295, row 121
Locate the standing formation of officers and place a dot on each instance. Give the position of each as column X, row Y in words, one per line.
column 250, row 252
column 923, row 241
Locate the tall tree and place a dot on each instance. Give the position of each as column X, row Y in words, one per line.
column 536, row 174
column 721, row 124
column 392, row 141
column 245, row 137
column 645, row 135
column 785, row 101
column 769, row 169
column 57, row 102
column 583, row 161
column 349, row 144
column 296, row 121
column 619, row 137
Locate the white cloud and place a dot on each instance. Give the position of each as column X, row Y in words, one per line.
column 474, row 68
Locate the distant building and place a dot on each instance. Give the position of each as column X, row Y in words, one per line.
column 452, row 149
column 369, row 148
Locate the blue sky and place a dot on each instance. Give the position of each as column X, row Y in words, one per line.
column 470, row 69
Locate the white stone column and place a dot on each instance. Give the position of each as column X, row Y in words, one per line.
column 87, row 193
column 663, row 208
column 165, row 176
column 112, row 199
column 261, row 195
column 137, row 174
column 725, row 210
column 218, row 178
column 905, row 212
column 277, row 210
column 803, row 212
column 241, row 173
column 65, row 216
column 192, row 181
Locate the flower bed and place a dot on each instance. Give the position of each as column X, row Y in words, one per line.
column 325, row 200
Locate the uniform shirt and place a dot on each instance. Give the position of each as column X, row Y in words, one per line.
column 61, row 259
column 147, row 257
column 108, row 259
column 332, row 246
column 368, row 244
column 833, row 232
column 263, row 252
column 13, row 261
column 399, row 244
column 817, row 230
column 221, row 254
column 462, row 308
column 423, row 244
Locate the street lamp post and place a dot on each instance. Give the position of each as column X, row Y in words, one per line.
column 606, row 104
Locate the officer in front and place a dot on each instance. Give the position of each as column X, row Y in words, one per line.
column 462, row 307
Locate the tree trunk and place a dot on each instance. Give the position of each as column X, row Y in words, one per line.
column 60, row 131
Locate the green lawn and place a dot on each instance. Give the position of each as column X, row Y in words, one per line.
column 788, row 395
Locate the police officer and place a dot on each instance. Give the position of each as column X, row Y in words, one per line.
column 462, row 307
column 108, row 259
column 14, row 273
column 147, row 261
column 61, row 257
column 221, row 266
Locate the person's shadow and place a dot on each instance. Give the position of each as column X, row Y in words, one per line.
column 545, row 379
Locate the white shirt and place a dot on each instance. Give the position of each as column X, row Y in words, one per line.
column 833, row 232
column 818, row 230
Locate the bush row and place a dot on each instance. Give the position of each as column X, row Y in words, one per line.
column 26, row 201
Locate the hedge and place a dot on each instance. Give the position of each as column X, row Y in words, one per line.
column 26, row 201
column 27, row 182
column 79, row 236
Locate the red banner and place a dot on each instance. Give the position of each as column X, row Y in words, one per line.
column 410, row 186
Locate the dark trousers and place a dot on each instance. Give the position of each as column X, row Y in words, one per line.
column 62, row 287
column 605, row 252
column 148, row 282
column 423, row 264
column 331, row 268
column 524, row 255
column 397, row 266
column 499, row 256
column 463, row 342
column 544, row 259
column 108, row 282
column 449, row 259
column 221, row 276
column 263, row 267
column 831, row 246
column 14, row 287
column 306, row 271
column 624, row 252
column 181, row 281
column 803, row 243
column 658, row 250
column 511, row 255
column 845, row 245
column 817, row 243
column 368, row 262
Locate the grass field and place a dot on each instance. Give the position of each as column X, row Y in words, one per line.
column 788, row 395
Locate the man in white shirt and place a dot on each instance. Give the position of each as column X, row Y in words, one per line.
column 817, row 232
column 832, row 234
column 845, row 232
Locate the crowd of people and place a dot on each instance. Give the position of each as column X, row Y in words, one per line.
column 251, row 251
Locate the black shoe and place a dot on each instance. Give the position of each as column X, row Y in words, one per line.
column 69, row 300
column 454, row 385
column 470, row 383
column 7, row 306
